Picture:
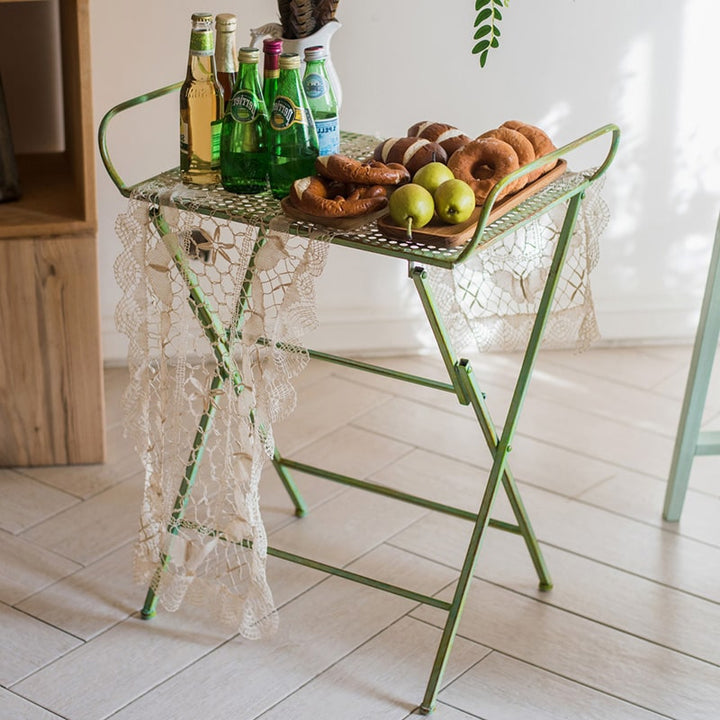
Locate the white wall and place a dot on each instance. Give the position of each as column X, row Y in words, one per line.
column 568, row 66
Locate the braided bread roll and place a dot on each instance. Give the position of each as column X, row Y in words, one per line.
column 348, row 170
column 323, row 198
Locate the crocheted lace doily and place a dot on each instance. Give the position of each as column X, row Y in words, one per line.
column 217, row 552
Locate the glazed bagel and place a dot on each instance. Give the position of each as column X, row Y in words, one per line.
column 448, row 137
column 348, row 170
column 482, row 164
column 412, row 152
column 542, row 145
column 521, row 145
column 317, row 196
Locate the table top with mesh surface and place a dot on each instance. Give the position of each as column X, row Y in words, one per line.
column 262, row 208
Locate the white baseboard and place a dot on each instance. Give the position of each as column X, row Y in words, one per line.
column 362, row 332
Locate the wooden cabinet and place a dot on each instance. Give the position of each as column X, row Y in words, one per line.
column 51, row 383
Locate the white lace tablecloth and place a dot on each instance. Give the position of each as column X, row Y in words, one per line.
column 218, row 553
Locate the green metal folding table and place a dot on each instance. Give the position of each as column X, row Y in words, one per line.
column 462, row 381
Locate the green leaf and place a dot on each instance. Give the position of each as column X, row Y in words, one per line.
column 482, row 45
column 489, row 16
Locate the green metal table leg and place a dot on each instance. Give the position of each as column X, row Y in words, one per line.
column 689, row 440
column 290, row 486
column 518, row 507
column 221, row 341
column 500, row 459
column 183, row 495
column 469, row 393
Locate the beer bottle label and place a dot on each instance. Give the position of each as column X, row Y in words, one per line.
column 244, row 106
column 314, row 85
column 202, row 42
column 285, row 113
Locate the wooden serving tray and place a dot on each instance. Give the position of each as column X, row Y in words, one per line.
column 338, row 223
column 441, row 234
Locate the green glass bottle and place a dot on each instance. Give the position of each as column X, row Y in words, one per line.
column 243, row 145
column 293, row 140
column 201, row 107
column 321, row 99
column 272, row 47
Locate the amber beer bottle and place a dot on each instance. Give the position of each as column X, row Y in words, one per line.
column 243, row 147
column 272, row 47
column 201, row 107
column 226, row 59
column 293, row 140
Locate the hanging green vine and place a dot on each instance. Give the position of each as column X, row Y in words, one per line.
column 486, row 22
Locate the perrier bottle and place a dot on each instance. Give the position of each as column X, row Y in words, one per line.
column 321, row 98
column 201, row 107
column 293, row 140
column 243, row 145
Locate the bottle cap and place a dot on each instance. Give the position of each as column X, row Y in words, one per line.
column 289, row 61
column 226, row 22
column 272, row 46
column 248, row 55
column 202, row 17
column 316, row 52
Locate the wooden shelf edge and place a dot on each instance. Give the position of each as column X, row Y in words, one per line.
column 52, row 201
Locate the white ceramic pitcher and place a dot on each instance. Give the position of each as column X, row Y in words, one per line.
column 319, row 37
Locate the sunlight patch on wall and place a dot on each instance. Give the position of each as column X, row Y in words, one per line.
column 698, row 144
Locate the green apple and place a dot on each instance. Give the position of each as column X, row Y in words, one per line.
column 411, row 206
column 454, row 201
column 432, row 175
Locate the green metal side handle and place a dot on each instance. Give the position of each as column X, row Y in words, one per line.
column 562, row 152
column 109, row 115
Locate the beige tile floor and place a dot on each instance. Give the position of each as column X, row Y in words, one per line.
column 631, row 629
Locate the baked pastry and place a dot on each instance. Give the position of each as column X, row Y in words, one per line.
column 482, row 164
column 348, row 170
column 324, row 198
column 448, row 137
column 540, row 141
column 521, row 145
column 412, row 152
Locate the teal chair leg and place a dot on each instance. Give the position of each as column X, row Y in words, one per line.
column 690, row 441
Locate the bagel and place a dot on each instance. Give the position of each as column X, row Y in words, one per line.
column 317, row 196
column 542, row 145
column 521, row 145
column 482, row 164
column 348, row 170
column 448, row 137
column 412, row 152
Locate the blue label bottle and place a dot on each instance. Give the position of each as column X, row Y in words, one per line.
column 321, row 100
